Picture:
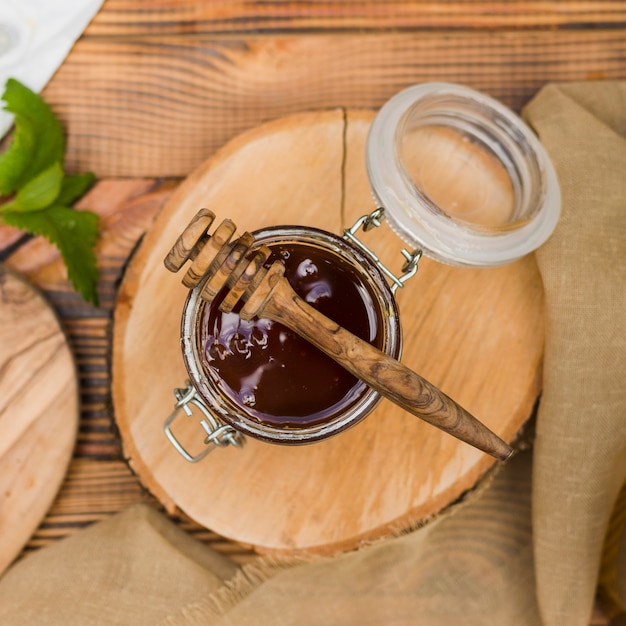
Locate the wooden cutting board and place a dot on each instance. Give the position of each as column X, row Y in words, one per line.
column 476, row 333
column 38, row 410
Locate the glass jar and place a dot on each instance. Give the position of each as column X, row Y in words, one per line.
column 266, row 381
column 459, row 177
column 260, row 379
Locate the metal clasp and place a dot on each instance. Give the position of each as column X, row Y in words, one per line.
column 217, row 433
column 373, row 220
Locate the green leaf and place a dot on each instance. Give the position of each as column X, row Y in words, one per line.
column 39, row 192
column 73, row 187
column 74, row 233
column 37, row 143
column 31, row 171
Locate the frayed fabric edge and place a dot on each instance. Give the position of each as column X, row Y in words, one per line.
column 251, row 576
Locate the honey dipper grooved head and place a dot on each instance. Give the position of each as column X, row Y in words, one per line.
column 260, row 290
column 242, row 279
column 190, row 240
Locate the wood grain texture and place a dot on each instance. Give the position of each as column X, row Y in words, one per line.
column 38, row 410
column 477, row 334
column 219, row 17
column 160, row 104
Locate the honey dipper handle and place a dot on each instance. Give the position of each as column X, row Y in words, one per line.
column 386, row 375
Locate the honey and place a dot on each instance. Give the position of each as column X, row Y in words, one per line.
column 278, row 377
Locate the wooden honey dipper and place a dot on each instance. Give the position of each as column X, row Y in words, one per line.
column 265, row 292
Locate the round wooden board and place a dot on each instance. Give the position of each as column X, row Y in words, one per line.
column 476, row 333
column 38, row 411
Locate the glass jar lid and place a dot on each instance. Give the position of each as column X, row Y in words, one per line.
column 461, row 176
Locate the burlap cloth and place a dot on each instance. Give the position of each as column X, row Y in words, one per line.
column 529, row 550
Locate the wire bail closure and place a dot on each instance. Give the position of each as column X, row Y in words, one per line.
column 374, row 220
column 218, row 434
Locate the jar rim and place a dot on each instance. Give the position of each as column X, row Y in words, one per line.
column 232, row 413
column 409, row 212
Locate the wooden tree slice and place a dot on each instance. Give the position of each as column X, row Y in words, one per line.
column 475, row 333
column 38, row 411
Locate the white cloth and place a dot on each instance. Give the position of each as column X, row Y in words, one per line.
column 35, row 37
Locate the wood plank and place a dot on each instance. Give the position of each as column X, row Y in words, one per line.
column 156, row 105
column 287, row 16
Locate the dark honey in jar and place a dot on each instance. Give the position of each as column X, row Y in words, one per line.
column 267, row 381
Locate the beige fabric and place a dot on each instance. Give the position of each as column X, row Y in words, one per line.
column 128, row 570
column 525, row 551
column 580, row 450
column 465, row 569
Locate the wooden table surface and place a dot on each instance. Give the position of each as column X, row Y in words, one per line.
column 152, row 89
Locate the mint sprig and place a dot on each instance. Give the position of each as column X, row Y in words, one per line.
column 37, row 192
